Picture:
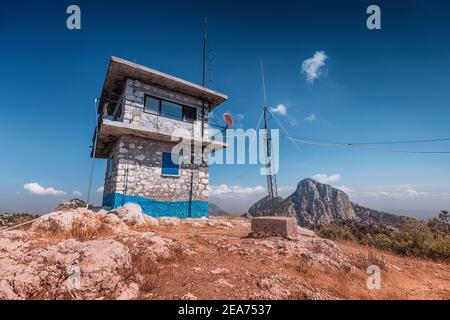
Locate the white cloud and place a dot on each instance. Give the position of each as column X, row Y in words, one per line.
column 411, row 193
column 280, row 109
column 292, row 121
column 286, row 188
column 36, row 188
column 444, row 195
column 324, row 178
column 310, row 118
column 234, row 191
column 345, row 189
column 397, row 193
column 100, row 189
column 76, row 194
column 313, row 67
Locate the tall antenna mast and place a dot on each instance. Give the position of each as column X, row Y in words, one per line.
column 272, row 188
column 211, row 63
column 204, row 51
column 204, row 72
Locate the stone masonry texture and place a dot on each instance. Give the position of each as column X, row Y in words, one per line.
column 136, row 171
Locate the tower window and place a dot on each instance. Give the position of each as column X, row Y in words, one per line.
column 170, row 167
column 169, row 109
column 152, row 104
column 189, row 114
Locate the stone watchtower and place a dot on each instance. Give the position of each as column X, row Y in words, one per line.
column 139, row 110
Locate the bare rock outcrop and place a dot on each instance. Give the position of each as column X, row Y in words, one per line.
column 84, row 221
column 69, row 269
column 81, row 254
column 306, row 245
column 13, row 240
column 147, row 243
column 131, row 214
column 169, row 221
column 81, row 221
column 188, row 296
column 277, row 286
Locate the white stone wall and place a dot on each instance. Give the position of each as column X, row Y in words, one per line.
column 134, row 113
column 137, row 171
column 110, row 182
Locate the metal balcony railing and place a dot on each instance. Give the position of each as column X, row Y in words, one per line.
column 115, row 109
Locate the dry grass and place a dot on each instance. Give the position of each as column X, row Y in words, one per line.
column 370, row 257
column 78, row 232
column 83, row 233
column 148, row 269
column 304, row 267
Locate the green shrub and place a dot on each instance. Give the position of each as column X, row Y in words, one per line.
column 412, row 238
column 381, row 241
column 335, row 231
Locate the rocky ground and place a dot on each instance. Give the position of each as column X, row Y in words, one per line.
column 79, row 254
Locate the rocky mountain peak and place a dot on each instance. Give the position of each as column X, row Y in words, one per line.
column 313, row 189
column 314, row 203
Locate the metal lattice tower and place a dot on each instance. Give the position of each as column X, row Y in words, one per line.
column 272, row 187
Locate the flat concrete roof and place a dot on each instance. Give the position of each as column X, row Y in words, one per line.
column 119, row 70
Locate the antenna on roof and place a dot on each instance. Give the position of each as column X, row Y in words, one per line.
column 205, row 33
column 204, row 71
column 211, row 64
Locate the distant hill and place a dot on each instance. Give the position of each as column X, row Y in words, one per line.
column 317, row 204
column 215, row 210
column 72, row 204
column 366, row 214
column 11, row 219
column 264, row 208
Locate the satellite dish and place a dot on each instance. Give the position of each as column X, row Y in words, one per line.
column 228, row 119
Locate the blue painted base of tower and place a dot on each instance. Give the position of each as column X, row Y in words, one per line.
column 156, row 208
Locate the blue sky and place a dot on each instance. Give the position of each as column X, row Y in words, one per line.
column 389, row 84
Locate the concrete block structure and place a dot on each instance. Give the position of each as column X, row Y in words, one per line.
column 139, row 110
column 274, row 227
